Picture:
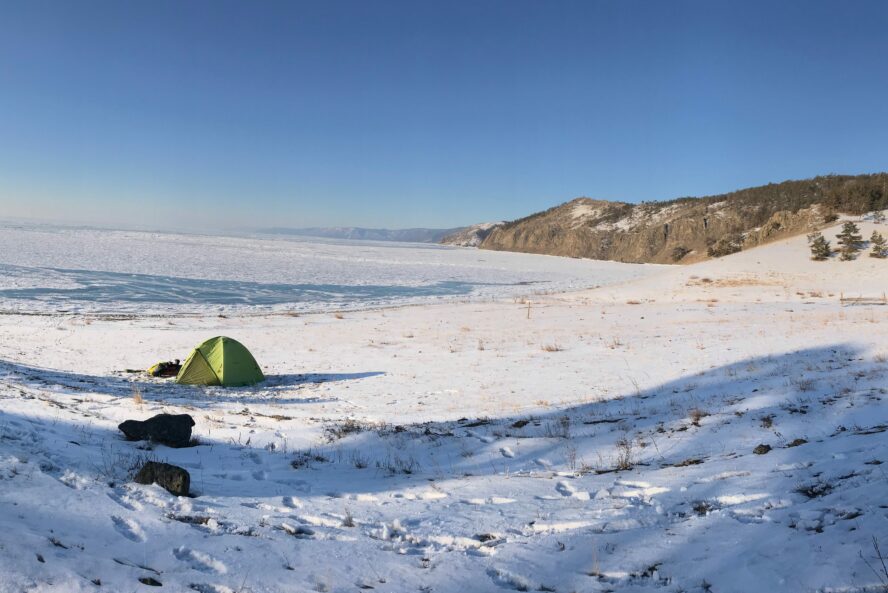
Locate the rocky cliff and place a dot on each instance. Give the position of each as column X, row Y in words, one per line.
column 689, row 229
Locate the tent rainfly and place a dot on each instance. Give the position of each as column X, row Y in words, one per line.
column 220, row 361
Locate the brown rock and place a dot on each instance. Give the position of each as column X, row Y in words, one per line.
column 762, row 449
column 172, row 478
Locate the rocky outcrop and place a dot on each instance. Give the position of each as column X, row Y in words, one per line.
column 471, row 236
column 173, row 430
column 689, row 229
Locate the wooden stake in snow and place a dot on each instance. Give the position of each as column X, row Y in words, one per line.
column 528, row 309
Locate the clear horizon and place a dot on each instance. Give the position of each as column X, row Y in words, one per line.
column 218, row 115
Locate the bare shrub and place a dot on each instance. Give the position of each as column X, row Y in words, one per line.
column 554, row 347
column 306, row 458
column 804, row 384
column 570, row 456
column 882, row 571
column 702, row 508
column 348, row 520
column 358, row 460
column 815, row 490
column 114, row 466
column 624, row 454
column 696, row 414
column 395, row 464
column 349, row 426
column 559, row 429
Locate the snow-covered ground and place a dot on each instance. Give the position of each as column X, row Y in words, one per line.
column 601, row 440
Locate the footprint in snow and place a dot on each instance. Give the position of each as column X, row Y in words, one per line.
column 300, row 485
column 565, row 489
column 291, row 502
column 126, row 502
column 128, row 528
column 262, row 506
column 480, row 437
column 208, row 588
column 491, row 500
column 199, row 560
column 153, row 495
column 300, row 531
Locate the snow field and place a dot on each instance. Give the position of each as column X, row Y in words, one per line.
column 593, row 444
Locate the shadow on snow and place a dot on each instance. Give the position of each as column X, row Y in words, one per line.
column 790, row 385
column 274, row 389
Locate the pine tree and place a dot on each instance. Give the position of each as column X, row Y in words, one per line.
column 880, row 249
column 820, row 249
column 849, row 239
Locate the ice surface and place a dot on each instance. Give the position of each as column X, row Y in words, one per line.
column 88, row 270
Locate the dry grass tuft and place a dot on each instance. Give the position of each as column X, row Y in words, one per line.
column 137, row 396
column 624, row 454
column 696, row 414
column 553, row 347
column 804, row 384
column 734, row 282
column 615, row 343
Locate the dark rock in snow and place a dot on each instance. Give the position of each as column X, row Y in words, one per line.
column 172, row 478
column 151, row 582
column 761, row 449
column 169, row 429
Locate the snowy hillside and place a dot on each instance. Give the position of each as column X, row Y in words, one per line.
column 716, row 427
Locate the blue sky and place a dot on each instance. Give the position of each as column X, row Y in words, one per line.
column 397, row 114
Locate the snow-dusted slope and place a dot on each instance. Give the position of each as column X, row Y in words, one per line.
column 595, row 441
column 776, row 272
column 471, row 236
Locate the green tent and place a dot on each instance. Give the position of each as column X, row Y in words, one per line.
column 220, row 361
